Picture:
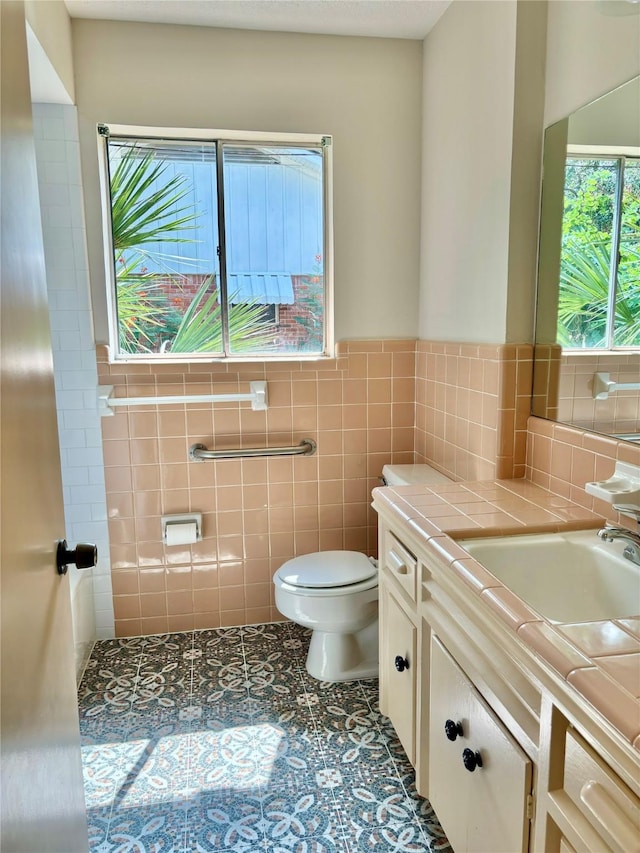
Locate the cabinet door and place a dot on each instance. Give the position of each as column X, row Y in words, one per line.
column 481, row 809
column 398, row 671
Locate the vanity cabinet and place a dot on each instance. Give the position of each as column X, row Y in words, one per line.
column 479, row 778
column 553, row 778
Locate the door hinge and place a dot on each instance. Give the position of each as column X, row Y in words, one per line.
column 530, row 806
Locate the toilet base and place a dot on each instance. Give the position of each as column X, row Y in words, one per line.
column 344, row 657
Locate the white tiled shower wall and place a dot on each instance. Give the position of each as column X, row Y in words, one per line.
column 74, row 359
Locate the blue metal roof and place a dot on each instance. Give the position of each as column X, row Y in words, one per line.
column 261, row 288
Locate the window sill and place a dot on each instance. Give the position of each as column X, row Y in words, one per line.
column 235, row 360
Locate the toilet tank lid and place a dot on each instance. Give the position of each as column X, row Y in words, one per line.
column 324, row 569
column 406, row 475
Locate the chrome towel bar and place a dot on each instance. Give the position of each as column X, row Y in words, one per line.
column 199, row 453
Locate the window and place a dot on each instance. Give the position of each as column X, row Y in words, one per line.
column 599, row 299
column 217, row 248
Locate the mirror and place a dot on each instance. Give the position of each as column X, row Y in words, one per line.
column 587, row 338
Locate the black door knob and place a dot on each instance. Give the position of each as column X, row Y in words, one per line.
column 471, row 760
column 84, row 556
column 453, row 729
column 401, row 663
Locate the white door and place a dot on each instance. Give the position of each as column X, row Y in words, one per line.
column 41, row 774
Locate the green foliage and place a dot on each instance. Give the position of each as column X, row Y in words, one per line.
column 201, row 326
column 582, row 309
column 586, row 257
column 589, row 196
column 142, row 215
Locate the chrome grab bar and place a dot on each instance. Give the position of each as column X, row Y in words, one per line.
column 199, row 453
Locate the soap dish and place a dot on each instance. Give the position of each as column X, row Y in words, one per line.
column 622, row 488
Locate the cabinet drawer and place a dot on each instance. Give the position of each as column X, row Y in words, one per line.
column 479, row 777
column 400, row 564
column 603, row 799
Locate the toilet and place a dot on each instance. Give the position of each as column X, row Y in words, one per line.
column 335, row 594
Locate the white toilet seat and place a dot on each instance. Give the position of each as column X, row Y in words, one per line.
column 325, row 592
column 326, row 572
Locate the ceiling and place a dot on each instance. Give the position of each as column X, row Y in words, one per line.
column 410, row 19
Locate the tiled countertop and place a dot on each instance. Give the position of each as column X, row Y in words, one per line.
column 601, row 660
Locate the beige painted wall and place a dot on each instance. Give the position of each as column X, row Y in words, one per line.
column 365, row 92
column 468, row 114
column 524, row 212
column 588, row 54
column 486, row 98
column 51, row 26
column 610, row 120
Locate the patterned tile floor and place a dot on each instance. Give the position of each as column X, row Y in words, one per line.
column 220, row 741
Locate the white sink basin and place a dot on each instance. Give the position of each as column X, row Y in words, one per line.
column 565, row 577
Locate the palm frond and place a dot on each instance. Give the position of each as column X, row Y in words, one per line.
column 584, row 295
column 143, row 214
column 201, row 326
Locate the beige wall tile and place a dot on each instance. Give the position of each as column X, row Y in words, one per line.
column 577, row 457
column 153, row 604
column 126, row 606
column 125, row 582
column 378, row 402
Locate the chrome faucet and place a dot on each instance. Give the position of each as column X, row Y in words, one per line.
column 610, row 532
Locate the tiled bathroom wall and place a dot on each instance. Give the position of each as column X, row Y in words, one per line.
column 257, row 513
column 619, row 413
column 563, row 458
column 472, row 405
column 546, row 380
column 463, row 408
column 58, row 164
column 563, row 389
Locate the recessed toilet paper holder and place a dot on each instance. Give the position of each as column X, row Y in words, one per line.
column 182, row 528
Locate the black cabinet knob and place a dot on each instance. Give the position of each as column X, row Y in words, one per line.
column 471, row 760
column 401, row 663
column 453, row 729
column 84, row 556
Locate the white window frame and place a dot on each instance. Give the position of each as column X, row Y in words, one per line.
column 323, row 141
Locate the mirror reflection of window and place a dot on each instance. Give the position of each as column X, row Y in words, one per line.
column 588, row 298
column 599, row 299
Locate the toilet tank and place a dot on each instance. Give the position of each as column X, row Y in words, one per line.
column 407, row 475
